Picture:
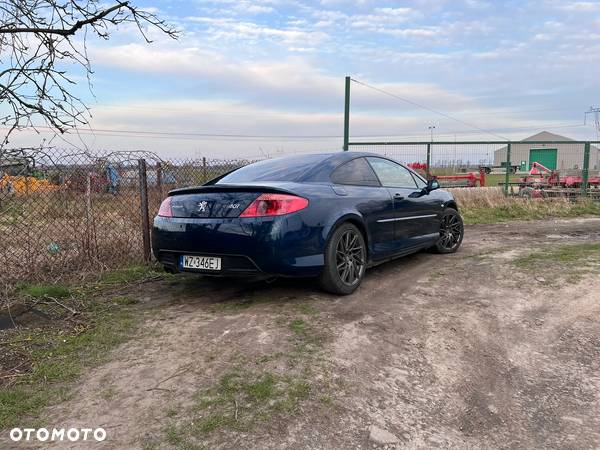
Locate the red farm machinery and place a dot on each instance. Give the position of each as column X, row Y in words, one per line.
column 542, row 182
column 470, row 179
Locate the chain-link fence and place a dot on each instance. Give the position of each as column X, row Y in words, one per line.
column 65, row 213
column 525, row 168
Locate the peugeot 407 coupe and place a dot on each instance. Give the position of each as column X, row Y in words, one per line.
column 329, row 216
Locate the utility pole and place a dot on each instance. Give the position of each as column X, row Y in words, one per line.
column 347, row 114
column 430, row 128
column 596, row 113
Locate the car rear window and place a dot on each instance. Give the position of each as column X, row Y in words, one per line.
column 356, row 172
column 290, row 168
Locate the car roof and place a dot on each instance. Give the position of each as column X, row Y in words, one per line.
column 339, row 156
column 331, row 160
column 317, row 166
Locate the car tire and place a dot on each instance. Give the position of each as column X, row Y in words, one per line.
column 451, row 232
column 169, row 269
column 345, row 260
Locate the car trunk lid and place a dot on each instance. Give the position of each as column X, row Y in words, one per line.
column 217, row 201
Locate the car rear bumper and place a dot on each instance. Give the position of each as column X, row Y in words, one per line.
column 281, row 246
column 232, row 265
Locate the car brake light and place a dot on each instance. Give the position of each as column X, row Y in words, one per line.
column 165, row 208
column 274, row 205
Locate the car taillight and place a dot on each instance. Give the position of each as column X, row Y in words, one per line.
column 274, row 205
column 165, row 208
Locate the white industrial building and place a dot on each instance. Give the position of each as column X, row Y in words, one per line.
column 544, row 149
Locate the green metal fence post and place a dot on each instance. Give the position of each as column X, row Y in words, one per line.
column 428, row 160
column 586, row 168
column 507, row 168
column 347, row 114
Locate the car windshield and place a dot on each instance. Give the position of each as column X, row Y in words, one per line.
column 290, row 168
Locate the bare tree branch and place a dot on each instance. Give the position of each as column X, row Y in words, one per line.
column 37, row 47
column 66, row 32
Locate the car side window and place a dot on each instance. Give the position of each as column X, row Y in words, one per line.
column 421, row 183
column 392, row 174
column 357, row 172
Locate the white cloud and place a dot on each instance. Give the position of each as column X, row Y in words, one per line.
column 248, row 30
column 292, row 82
column 378, row 17
column 411, row 32
column 229, row 29
column 285, row 61
column 581, row 6
column 395, row 12
column 248, row 7
column 179, row 125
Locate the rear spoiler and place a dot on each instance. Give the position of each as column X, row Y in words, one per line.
column 228, row 188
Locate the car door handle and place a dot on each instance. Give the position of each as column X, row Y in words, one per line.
column 398, row 196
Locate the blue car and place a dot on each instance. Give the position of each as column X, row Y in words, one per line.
column 329, row 216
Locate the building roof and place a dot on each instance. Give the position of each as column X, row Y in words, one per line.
column 547, row 136
column 543, row 136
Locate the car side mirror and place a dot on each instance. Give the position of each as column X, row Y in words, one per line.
column 432, row 185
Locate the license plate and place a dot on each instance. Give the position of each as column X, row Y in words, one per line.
column 201, row 262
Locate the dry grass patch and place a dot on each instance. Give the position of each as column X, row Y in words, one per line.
column 489, row 205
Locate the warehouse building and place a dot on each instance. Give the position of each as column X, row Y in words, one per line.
column 544, row 150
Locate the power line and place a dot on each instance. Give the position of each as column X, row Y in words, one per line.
column 222, row 136
column 427, row 108
column 461, row 133
column 514, row 112
column 215, row 112
column 254, row 115
column 125, row 132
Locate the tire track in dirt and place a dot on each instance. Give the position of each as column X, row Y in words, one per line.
column 442, row 351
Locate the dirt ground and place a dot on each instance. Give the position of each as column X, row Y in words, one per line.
column 461, row 351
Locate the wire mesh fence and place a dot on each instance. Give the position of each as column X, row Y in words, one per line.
column 525, row 168
column 65, row 213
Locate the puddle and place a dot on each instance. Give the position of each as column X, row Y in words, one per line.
column 22, row 316
column 6, row 323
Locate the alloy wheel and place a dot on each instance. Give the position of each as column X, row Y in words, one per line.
column 350, row 257
column 450, row 231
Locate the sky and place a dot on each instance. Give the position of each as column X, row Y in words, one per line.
column 258, row 78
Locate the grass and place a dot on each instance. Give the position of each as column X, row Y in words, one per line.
column 495, row 179
column 565, row 255
column 306, row 337
column 326, row 400
column 298, row 326
column 40, row 290
column 489, row 205
column 57, row 359
column 131, row 274
column 529, row 210
column 126, row 300
column 306, row 308
column 241, row 399
column 59, row 354
column 257, row 391
column 567, row 262
column 109, row 393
